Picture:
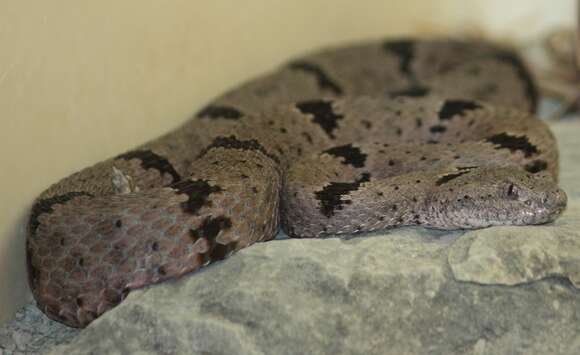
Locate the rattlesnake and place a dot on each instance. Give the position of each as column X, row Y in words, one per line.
column 438, row 133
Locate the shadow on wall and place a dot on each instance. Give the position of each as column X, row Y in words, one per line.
column 13, row 266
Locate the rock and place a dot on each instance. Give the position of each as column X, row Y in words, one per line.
column 502, row 290
column 390, row 294
column 513, row 255
column 31, row 332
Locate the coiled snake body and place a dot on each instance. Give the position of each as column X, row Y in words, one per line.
column 437, row 133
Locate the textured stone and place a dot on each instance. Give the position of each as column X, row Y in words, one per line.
column 31, row 332
column 390, row 294
column 514, row 255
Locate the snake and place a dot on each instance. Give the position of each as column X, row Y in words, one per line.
column 352, row 138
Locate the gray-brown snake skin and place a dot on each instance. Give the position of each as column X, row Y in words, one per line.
column 448, row 141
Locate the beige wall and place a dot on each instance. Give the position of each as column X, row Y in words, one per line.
column 83, row 80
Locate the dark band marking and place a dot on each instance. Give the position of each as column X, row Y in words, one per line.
column 513, row 143
column 352, row 155
column 232, row 142
column 413, row 91
column 198, row 192
column 221, row 251
column 323, row 113
column 330, row 195
column 45, row 206
column 521, row 70
column 456, row 107
column 214, row 112
column 209, row 230
column 536, row 166
column 404, row 49
column 323, row 80
column 150, row 160
column 438, row 129
column 448, row 177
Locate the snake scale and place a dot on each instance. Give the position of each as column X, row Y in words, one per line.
column 432, row 132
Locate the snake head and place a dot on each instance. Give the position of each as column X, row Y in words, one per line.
column 482, row 197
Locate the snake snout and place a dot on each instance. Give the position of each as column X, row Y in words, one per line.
column 556, row 200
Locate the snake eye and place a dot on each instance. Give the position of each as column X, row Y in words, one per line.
column 512, row 191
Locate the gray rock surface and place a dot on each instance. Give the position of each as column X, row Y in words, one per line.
column 31, row 332
column 503, row 290
column 516, row 255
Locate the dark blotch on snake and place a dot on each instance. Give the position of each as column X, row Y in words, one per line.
column 150, row 160
column 330, row 196
column 45, row 206
column 323, row 80
column 438, row 129
column 209, row 229
column 513, row 143
column 221, row 251
column 323, row 113
column 404, row 50
column 232, row 142
column 456, row 107
column 536, row 166
column 511, row 58
column 446, row 178
column 214, row 111
column 197, row 191
column 352, row 155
